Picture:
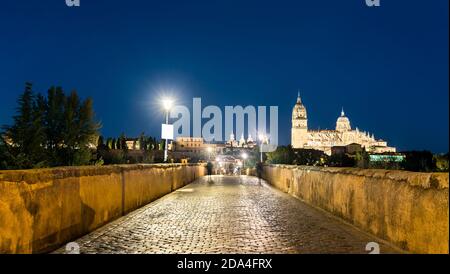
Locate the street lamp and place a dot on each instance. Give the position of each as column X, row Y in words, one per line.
column 167, row 105
column 244, row 157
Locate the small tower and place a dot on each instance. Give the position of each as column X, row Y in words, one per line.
column 242, row 141
column 231, row 137
column 232, row 141
column 250, row 142
column 250, row 139
column 299, row 131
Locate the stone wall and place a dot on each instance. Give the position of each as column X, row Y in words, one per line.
column 408, row 209
column 42, row 209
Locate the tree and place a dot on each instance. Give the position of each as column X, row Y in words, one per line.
column 123, row 143
column 27, row 134
column 54, row 123
column 282, row 155
column 40, row 137
column 52, row 131
column 153, row 143
column 161, row 144
column 100, row 141
column 362, row 159
column 310, row 157
column 80, row 130
column 419, row 161
column 441, row 162
column 5, row 155
column 141, row 141
column 340, row 160
column 102, row 149
column 109, row 143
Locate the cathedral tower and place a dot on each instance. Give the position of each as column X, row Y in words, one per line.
column 299, row 137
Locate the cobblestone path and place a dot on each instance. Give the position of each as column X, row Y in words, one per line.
column 227, row 215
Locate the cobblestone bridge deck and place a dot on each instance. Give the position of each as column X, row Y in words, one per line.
column 227, row 215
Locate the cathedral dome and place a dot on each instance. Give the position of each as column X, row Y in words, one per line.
column 343, row 123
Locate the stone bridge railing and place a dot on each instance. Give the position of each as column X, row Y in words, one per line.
column 42, row 209
column 408, row 209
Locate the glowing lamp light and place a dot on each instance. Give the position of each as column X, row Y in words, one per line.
column 261, row 137
column 167, row 103
column 244, row 156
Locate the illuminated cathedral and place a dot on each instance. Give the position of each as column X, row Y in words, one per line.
column 324, row 140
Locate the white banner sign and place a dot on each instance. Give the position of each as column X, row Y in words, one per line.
column 167, row 132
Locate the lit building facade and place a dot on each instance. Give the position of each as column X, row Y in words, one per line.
column 324, row 140
column 242, row 143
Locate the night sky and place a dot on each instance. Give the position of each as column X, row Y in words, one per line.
column 387, row 66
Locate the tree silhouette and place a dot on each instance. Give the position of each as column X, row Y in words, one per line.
column 26, row 136
column 52, row 131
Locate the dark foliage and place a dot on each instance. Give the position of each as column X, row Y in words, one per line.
column 341, row 160
column 422, row 161
column 287, row 155
column 56, row 130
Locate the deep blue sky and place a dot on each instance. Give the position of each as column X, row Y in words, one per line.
column 387, row 66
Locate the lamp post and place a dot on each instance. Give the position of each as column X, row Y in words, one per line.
column 244, row 157
column 209, row 149
column 261, row 140
column 167, row 105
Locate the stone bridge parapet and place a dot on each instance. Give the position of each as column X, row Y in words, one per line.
column 408, row 209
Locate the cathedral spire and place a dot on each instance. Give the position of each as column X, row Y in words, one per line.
column 299, row 99
column 342, row 112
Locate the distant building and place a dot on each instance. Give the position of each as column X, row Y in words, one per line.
column 188, row 144
column 242, row 143
column 133, row 144
column 194, row 148
column 227, row 164
column 338, row 150
column 352, row 149
column 325, row 140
